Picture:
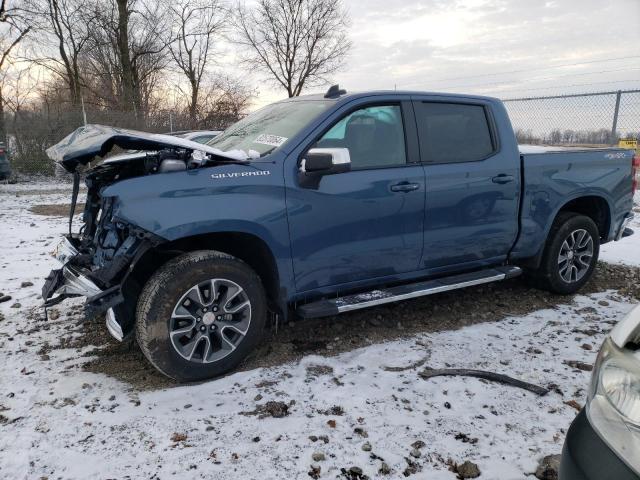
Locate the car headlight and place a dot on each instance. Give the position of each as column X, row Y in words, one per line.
column 621, row 387
column 613, row 406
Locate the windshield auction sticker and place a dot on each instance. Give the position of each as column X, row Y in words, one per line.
column 273, row 140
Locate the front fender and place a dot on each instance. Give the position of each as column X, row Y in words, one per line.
column 223, row 198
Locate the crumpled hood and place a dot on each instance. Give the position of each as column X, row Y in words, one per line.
column 85, row 143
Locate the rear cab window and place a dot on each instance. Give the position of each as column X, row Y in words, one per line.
column 453, row 132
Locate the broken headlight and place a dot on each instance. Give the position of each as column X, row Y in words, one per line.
column 613, row 407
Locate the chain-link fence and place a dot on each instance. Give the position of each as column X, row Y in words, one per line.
column 601, row 118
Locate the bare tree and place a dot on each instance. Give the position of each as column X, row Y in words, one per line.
column 197, row 25
column 147, row 50
column 225, row 102
column 297, row 42
column 21, row 88
column 71, row 24
column 128, row 50
column 62, row 30
column 14, row 26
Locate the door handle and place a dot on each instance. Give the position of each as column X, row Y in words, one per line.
column 503, row 178
column 405, row 187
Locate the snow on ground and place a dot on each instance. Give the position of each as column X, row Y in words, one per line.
column 626, row 250
column 58, row 421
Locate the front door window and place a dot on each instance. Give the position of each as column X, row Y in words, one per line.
column 373, row 135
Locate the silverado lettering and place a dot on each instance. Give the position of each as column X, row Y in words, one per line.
column 256, row 173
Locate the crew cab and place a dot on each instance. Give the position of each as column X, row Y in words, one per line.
column 322, row 204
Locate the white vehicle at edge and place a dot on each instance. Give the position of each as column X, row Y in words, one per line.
column 613, row 406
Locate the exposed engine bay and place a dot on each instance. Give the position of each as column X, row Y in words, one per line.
column 98, row 258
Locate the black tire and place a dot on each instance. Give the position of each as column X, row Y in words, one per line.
column 160, row 299
column 548, row 276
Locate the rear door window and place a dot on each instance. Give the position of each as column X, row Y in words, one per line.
column 453, row 132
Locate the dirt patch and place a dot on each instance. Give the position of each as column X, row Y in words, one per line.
column 124, row 361
column 44, row 191
column 55, row 209
column 334, row 335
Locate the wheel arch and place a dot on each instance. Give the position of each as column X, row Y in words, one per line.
column 247, row 247
column 594, row 206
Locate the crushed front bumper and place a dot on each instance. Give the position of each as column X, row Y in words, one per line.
column 70, row 281
column 67, row 281
column 105, row 288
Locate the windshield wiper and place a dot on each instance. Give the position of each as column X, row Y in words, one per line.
column 267, row 152
column 212, row 158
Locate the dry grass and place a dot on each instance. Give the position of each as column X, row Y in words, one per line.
column 55, row 210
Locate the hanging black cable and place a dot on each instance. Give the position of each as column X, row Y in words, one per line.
column 74, row 198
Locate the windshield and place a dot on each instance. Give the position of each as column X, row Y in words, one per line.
column 270, row 127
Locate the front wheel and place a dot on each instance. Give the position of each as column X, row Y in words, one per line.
column 570, row 254
column 200, row 315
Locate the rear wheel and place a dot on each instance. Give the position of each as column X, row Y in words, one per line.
column 200, row 315
column 570, row 254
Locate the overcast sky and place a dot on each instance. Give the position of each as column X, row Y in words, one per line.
column 505, row 48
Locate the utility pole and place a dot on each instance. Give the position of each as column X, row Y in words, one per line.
column 84, row 113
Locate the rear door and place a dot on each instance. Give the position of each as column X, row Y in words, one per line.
column 472, row 184
column 363, row 224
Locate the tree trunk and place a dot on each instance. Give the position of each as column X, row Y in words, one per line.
column 128, row 83
column 193, row 107
column 76, row 84
column 3, row 131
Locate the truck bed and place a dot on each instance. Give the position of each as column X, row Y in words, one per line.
column 554, row 176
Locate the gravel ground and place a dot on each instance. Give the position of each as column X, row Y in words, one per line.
column 333, row 335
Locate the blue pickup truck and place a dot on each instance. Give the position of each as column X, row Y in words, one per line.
column 319, row 205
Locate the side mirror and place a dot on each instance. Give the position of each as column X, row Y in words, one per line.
column 325, row 161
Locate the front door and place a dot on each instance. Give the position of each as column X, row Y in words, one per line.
column 365, row 223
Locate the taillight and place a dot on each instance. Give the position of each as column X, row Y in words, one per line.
column 1, row 151
column 635, row 172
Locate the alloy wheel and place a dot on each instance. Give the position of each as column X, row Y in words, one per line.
column 576, row 255
column 210, row 320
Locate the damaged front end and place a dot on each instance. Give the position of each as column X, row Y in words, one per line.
column 96, row 263
column 98, row 260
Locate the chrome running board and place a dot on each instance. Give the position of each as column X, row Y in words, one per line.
column 333, row 306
